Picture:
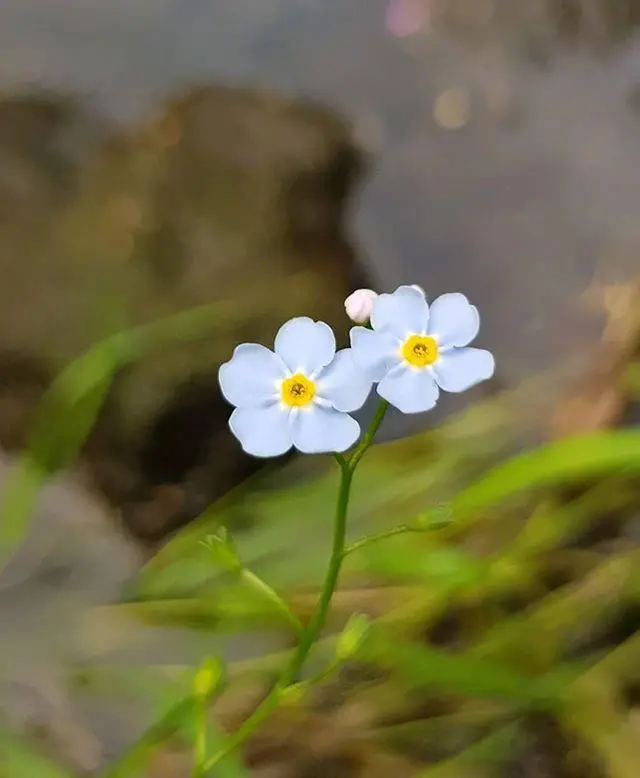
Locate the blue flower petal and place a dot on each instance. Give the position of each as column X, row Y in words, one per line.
column 343, row 384
column 374, row 352
column 250, row 378
column 410, row 391
column 305, row 345
column 462, row 368
column 453, row 321
column 405, row 312
column 320, row 430
column 262, row 432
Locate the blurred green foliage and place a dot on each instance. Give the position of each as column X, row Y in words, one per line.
column 523, row 662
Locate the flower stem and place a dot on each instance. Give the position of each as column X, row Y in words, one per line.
column 313, row 630
column 419, row 526
column 367, row 438
column 369, row 540
column 201, row 739
column 318, row 619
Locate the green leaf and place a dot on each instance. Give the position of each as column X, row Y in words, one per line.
column 557, row 463
column 69, row 408
column 407, row 556
column 231, row 609
column 63, row 421
column 420, row 665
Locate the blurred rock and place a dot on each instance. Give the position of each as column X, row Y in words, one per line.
column 73, row 558
column 44, row 140
column 229, row 195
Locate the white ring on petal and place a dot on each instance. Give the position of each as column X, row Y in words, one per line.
column 374, row 352
column 249, row 379
column 305, row 345
column 320, row 430
column 262, row 432
column 461, row 368
column 405, row 312
column 409, row 390
column 453, row 321
column 343, row 384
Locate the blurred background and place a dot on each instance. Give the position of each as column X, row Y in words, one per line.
column 178, row 176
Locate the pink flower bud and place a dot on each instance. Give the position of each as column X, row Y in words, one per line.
column 359, row 305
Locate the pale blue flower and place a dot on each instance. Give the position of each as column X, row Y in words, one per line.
column 414, row 349
column 298, row 396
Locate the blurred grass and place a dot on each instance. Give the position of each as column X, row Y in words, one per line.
column 70, row 407
column 390, row 488
column 172, row 709
column 525, row 661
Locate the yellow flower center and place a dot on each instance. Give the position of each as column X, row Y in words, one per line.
column 420, row 350
column 297, row 391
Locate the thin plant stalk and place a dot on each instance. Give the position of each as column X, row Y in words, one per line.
column 200, row 739
column 313, row 630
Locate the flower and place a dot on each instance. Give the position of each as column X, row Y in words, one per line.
column 414, row 349
column 298, row 396
column 359, row 305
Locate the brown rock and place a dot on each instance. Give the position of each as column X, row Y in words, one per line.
column 228, row 196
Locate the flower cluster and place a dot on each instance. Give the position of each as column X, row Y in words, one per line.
column 301, row 393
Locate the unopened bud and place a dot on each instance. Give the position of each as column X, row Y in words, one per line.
column 352, row 638
column 222, row 550
column 207, row 678
column 359, row 305
column 434, row 518
column 293, row 695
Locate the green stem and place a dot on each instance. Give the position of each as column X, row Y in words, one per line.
column 134, row 758
column 258, row 585
column 368, row 540
column 316, row 625
column 367, row 438
column 201, row 739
